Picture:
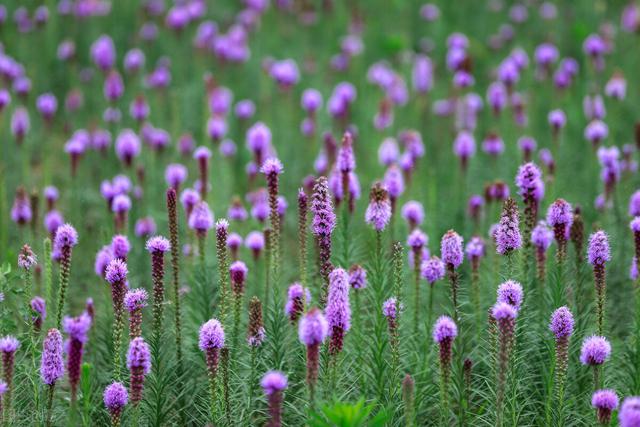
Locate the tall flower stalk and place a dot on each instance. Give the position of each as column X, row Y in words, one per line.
column 8, row 347
column 255, row 337
column 157, row 247
column 238, row 273
column 594, row 352
column 211, row 341
column 391, row 310
column 416, row 241
column 313, row 329
column 432, row 270
column 134, row 301
column 598, row 255
column 444, row 333
column 116, row 275
column 51, row 366
column 562, row 327
column 201, row 221
column 560, row 218
column 541, row 237
column 66, row 239
column 115, row 399
column 272, row 168
column 408, row 397
column 303, row 208
column 604, row 402
column 505, row 316
column 172, row 213
column 139, row 365
column 222, row 234
column 452, row 256
column 274, row 383
column 323, row 224
column 27, row 261
column 77, row 329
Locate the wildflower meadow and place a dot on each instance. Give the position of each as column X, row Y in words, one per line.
column 319, row 213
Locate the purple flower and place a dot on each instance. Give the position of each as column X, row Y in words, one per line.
column 504, row 311
column 115, row 398
column 127, row 146
column 238, row 273
column 103, row 52
column 116, row 271
column 599, row 252
column 273, row 382
column 604, row 401
column 560, row 213
column 135, row 299
column 103, row 258
column 272, row 166
column 201, row 219
column 9, row 344
column 120, row 246
column 541, row 236
column 451, row 249
column 390, row 308
column 529, row 181
column 378, row 212
column 324, row 218
column 508, row 237
column 345, row 160
column 139, row 356
column 338, row 311
column 211, row 335
column 66, row 236
column 629, row 414
column 313, row 328
column 595, row 351
column 26, row 258
column 77, row 327
column 255, row 242
column 175, row 174
column 311, row 100
column 561, row 323
column 145, row 227
column 52, row 362
column 444, row 329
column 357, row 277
column 158, row 244
column 413, row 213
column 475, row 248
column 511, row 293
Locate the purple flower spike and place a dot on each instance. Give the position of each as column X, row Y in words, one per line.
column 297, row 298
column 201, row 219
column 338, row 310
column 432, row 270
column 444, row 329
column 595, row 351
column 451, row 249
column 508, row 237
column 357, row 277
column 511, row 293
column 562, row 323
column 274, row 383
column 115, row 399
column 629, row 415
column 313, row 328
column 211, row 335
column 139, row 365
column 52, row 362
column 238, row 273
column 599, row 252
column 135, row 299
column 605, row 402
column 378, row 212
